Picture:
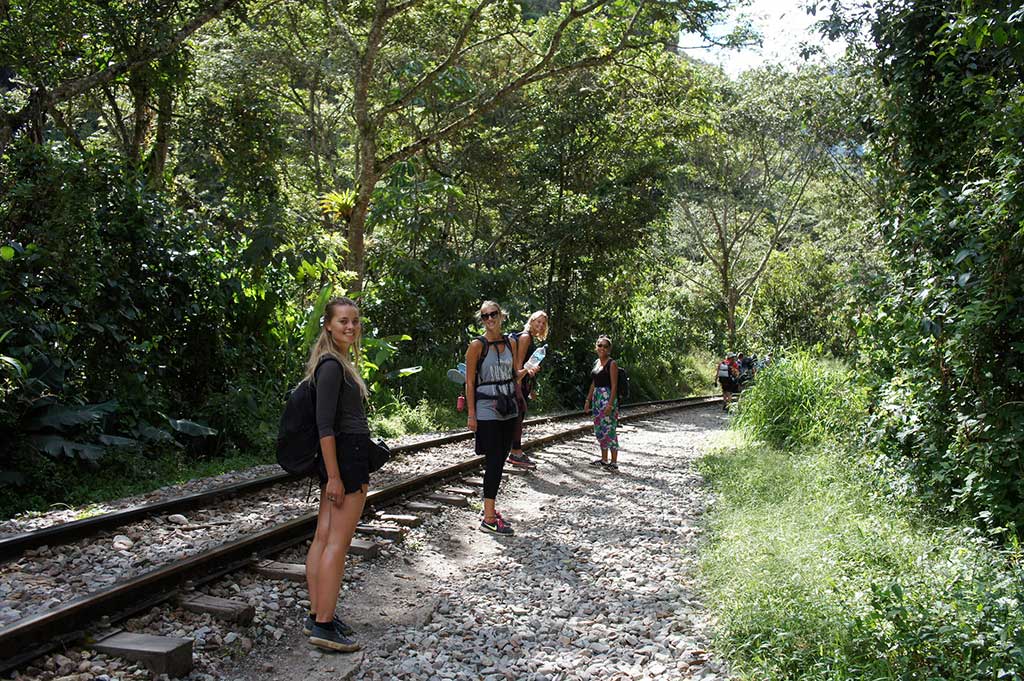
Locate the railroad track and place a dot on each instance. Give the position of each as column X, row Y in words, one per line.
column 37, row 634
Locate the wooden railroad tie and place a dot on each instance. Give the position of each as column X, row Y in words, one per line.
column 473, row 482
column 423, row 507
column 363, row 548
column 221, row 608
column 464, row 491
column 293, row 572
column 392, row 532
column 449, row 499
column 400, row 519
column 160, row 654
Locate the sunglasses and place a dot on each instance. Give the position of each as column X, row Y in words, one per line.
column 490, row 315
column 603, row 345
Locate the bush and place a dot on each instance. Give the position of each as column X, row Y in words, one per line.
column 801, row 399
column 123, row 314
column 815, row 573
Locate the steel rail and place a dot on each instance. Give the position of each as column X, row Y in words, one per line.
column 36, row 635
column 13, row 546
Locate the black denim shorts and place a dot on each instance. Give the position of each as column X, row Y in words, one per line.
column 353, row 461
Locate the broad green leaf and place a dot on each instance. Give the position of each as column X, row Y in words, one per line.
column 61, row 416
column 117, row 441
column 190, row 427
column 56, row 446
column 17, row 367
column 962, row 255
column 313, row 317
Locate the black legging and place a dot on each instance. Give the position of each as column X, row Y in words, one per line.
column 493, row 441
column 524, row 405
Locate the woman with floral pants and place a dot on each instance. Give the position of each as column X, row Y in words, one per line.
column 603, row 395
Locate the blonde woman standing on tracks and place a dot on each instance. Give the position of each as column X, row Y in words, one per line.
column 603, row 394
column 536, row 329
column 344, row 469
column 491, row 406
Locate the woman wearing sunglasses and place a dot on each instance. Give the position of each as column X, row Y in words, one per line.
column 491, row 406
column 603, row 395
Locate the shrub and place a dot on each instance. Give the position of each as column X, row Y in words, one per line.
column 801, row 399
column 817, row 572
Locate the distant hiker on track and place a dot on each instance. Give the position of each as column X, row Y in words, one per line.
column 491, row 406
column 344, row 469
column 726, row 375
column 536, row 329
column 603, row 395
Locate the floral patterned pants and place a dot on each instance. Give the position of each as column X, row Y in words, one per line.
column 605, row 426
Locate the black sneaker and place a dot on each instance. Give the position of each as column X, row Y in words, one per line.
column 522, row 461
column 598, row 462
column 339, row 624
column 327, row 636
column 613, row 467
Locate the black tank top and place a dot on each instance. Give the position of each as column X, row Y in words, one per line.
column 603, row 376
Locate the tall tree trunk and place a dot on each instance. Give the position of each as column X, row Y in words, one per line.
column 141, row 120
column 730, row 317
column 357, row 225
column 158, row 155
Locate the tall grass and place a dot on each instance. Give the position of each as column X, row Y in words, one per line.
column 814, row 573
column 683, row 375
column 801, row 399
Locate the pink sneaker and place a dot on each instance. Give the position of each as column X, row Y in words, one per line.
column 499, row 527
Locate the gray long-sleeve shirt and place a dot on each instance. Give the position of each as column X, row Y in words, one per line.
column 339, row 403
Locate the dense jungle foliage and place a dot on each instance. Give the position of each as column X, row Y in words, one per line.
column 180, row 183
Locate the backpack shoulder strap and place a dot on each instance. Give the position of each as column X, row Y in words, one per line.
column 324, row 359
column 506, row 339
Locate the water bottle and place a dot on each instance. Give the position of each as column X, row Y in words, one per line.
column 536, row 358
column 460, row 403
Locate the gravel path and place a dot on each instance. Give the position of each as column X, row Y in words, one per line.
column 44, row 578
column 599, row 582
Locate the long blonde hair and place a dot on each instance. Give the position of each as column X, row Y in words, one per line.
column 325, row 345
column 528, row 327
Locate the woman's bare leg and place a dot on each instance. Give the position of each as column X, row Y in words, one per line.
column 331, row 567
column 316, row 550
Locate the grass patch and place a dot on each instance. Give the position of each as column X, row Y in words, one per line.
column 815, row 573
column 399, row 419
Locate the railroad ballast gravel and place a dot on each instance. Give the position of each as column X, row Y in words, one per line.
column 598, row 583
column 44, row 578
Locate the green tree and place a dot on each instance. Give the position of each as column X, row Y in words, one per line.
column 745, row 184
column 947, row 337
column 415, row 83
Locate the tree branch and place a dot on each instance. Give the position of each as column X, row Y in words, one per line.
column 428, row 78
column 535, row 73
column 43, row 99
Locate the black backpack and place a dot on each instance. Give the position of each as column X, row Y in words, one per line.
column 298, row 439
column 623, row 382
